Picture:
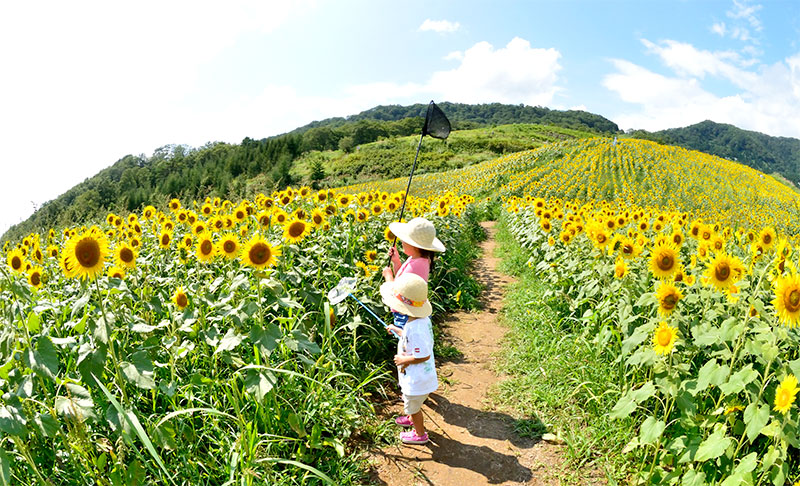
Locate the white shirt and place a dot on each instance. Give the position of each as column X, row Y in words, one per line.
column 417, row 341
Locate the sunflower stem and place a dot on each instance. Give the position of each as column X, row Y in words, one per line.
column 111, row 347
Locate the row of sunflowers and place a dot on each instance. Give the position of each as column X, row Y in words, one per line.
column 701, row 314
column 194, row 344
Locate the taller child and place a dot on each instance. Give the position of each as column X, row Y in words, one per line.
column 418, row 237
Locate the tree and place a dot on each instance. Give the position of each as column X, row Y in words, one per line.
column 317, row 173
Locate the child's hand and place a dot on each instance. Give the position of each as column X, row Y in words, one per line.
column 402, row 361
column 394, row 255
column 388, row 275
column 392, row 327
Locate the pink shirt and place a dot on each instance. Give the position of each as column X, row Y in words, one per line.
column 419, row 266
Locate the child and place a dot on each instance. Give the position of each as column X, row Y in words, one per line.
column 418, row 237
column 416, row 367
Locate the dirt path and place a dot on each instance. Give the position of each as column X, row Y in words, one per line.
column 471, row 444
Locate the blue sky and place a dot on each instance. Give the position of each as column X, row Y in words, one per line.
column 85, row 83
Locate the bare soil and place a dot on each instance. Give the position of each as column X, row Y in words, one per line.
column 472, row 442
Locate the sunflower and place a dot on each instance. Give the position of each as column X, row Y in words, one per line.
column 344, row 200
column 677, row 238
column 52, row 251
column 664, row 338
column 628, row 248
column 174, row 205
column 545, row 225
column 787, row 299
column 35, row 277
column 295, row 230
column 16, row 260
column 724, row 271
column 85, row 253
column 317, row 218
column 280, row 216
column 240, row 213
column 767, row 238
column 164, row 238
column 442, row 212
column 258, row 253
column 229, row 246
column 388, row 235
column 206, row 250
column 125, row 256
column 370, row 256
column 620, row 268
column 786, row 394
column 362, row 215
column 264, row 219
column 664, row 261
column 180, row 298
column 668, row 296
column 116, row 272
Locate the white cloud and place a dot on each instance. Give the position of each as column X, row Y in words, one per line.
column 744, row 18
column 719, row 28
column 767, row 97
column 440, row 26
column 516, row 73
column 454, row 56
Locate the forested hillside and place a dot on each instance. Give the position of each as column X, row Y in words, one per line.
column 762, row 152
column 241, row 170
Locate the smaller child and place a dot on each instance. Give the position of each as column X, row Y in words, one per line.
column 418, row 237
column 416, row 367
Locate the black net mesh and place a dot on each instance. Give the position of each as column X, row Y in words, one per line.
column 436, row 123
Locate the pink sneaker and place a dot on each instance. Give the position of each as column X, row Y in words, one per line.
column 403, row 421
column 411, row 437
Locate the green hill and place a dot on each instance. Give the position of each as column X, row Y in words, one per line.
column 236, row 171
column 757, row 150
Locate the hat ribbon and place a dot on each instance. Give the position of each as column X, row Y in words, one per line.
column 407, row 301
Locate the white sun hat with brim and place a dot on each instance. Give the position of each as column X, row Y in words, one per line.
column 407, row 294
column 418, row 232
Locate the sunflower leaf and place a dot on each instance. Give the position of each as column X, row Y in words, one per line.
column 739, row 380
column 5, row 468
column 624, row 407
column 714, row 445
column 651, row 430
column 755, row 417
column 139, row 370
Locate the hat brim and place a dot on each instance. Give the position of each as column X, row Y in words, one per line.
column 388, row 298
column 400, row 230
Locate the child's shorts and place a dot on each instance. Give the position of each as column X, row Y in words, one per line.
column 400, row 320
column 413, row 403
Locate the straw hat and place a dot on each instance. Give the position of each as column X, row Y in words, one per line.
column 418, row 232
column 407, row 294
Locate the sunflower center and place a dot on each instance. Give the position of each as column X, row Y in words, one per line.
column 601, row 238
column 669, row 302
column 782, row 398
column 16, row 262
column 35, row 278
column 627, row 249
column 259, row 254
column 722, row 272
column 792, row 300
column 767, row 239
column 206, row 247
column 666, row 262
column 229, row 246
column 165, row 239
column 663, row 336
column 296, row 229
column 182, row 300
column 126, row 255
column 87, row 251
column 317, row 219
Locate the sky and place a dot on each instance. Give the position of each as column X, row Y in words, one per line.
column 84, row 83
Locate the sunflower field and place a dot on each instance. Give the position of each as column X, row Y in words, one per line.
column 195, row 345
column 684, row 269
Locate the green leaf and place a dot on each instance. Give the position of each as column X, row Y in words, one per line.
column 5, row 468
column 644, row 392
column 139, row 370
column 44, row 361
column 229, row 341
column 46, row 424
column 12, row 421
column 296, row 425
column 739, row 380
column 266, row 339
column 711, row 374
column 755, row 417
column 694, row 478
column 33, row 324
column 91, row 361
column 77, row 404
column 714, row 446
column 80, row 304
column 651, row 430
column 624, row 407
column 259, row 382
